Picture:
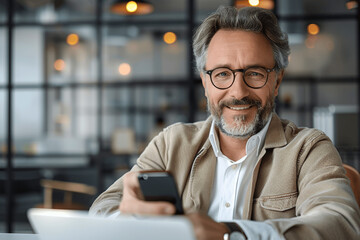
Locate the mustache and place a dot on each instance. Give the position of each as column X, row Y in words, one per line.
column 243, row 101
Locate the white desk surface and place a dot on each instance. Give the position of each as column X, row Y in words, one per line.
column 18, row 236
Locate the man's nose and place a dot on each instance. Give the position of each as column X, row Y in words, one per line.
column 239, row 89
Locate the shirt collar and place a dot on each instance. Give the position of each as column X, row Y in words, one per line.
column 254, row 142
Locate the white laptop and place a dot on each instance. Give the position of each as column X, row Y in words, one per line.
column 53, row 224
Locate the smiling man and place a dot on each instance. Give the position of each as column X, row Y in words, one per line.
column 244, row 172
column 240, row 100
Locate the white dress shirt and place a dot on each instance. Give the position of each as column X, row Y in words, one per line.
column 232, row 179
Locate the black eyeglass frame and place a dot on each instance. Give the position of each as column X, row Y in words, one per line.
column 243, row 70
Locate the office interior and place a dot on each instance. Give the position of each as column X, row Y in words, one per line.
column 86, row 84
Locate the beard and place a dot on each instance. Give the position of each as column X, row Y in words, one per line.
column 242, row 126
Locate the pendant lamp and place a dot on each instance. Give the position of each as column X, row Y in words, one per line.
column 133, row 7
column 351, row 4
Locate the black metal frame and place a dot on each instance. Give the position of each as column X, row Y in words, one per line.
column 358, row 64
column 9, row 166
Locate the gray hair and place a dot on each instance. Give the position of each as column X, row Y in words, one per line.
column 251, row 19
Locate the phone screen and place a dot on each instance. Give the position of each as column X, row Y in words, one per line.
column 160, row 186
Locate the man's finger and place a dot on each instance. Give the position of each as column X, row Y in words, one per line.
column 136, row 206
column 131, row 185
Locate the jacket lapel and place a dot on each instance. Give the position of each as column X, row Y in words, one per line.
column 275, row 137
column 202, row 178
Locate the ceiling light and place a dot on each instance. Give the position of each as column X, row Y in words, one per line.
column 254, row 3
column 268, row 4
column 169, row 37
column 72, row 39
column 138, row 7
column 351, row 4
column 313, row 29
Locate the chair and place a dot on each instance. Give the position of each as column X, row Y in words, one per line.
column 68, row 188
column 354, row 177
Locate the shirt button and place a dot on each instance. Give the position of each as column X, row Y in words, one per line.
column 234, row 166
column 227, row 204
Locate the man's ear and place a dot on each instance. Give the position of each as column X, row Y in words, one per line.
column 203, row 80
column 279, row 77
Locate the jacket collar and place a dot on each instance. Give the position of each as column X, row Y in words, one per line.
column 275, row 136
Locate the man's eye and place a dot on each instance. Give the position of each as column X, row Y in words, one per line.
column 222, row 74
column 255, row 74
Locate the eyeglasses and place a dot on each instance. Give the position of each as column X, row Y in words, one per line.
column 254, row 77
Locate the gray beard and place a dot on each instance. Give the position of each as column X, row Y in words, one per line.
column 239, row 128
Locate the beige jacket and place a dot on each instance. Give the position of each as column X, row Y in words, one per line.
column 298, row 186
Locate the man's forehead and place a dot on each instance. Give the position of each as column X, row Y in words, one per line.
column 240, row 47
column 239, row 37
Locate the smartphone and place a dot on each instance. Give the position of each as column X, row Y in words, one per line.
column 160, row 186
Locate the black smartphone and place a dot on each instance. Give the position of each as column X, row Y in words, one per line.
column 160, row 186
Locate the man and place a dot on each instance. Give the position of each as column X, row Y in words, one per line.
column 244, row 172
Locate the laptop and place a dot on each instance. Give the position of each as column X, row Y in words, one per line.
column 53, row 224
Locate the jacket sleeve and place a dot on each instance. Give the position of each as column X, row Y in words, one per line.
column 326, row 207
column 152, row 158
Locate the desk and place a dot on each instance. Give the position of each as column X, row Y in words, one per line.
column 18, row 236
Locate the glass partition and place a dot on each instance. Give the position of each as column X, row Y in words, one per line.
column 204, row 8
column 28, row 57
column 331, row 52
column 156, row 53
column 54, row 11
column 70, row 55
column 332, row 93
column 56, row 56
column 201, row 102
column 28, row 120
column 56, row 122
column 143, row 110
column 310, row 7
column 3, row 11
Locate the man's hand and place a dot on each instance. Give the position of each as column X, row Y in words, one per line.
column 132, row 202
column 207, row 229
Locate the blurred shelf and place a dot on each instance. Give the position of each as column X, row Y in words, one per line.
column 103, row 22
column 53, row 162
column 106, row 84
column 319, row 80
column 318, row 17
column 145, row 110
column 161, row 81
column 300, row 108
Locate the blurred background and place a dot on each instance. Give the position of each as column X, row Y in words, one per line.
column 85, row 84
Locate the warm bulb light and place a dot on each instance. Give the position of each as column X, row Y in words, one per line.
column 313, row 29
column 254, row 3
column 267, row 4
column 59, row 65
column 124, row 69
column 72, row 39
column 351, row 5
column 131, row 6
column 169, row 37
